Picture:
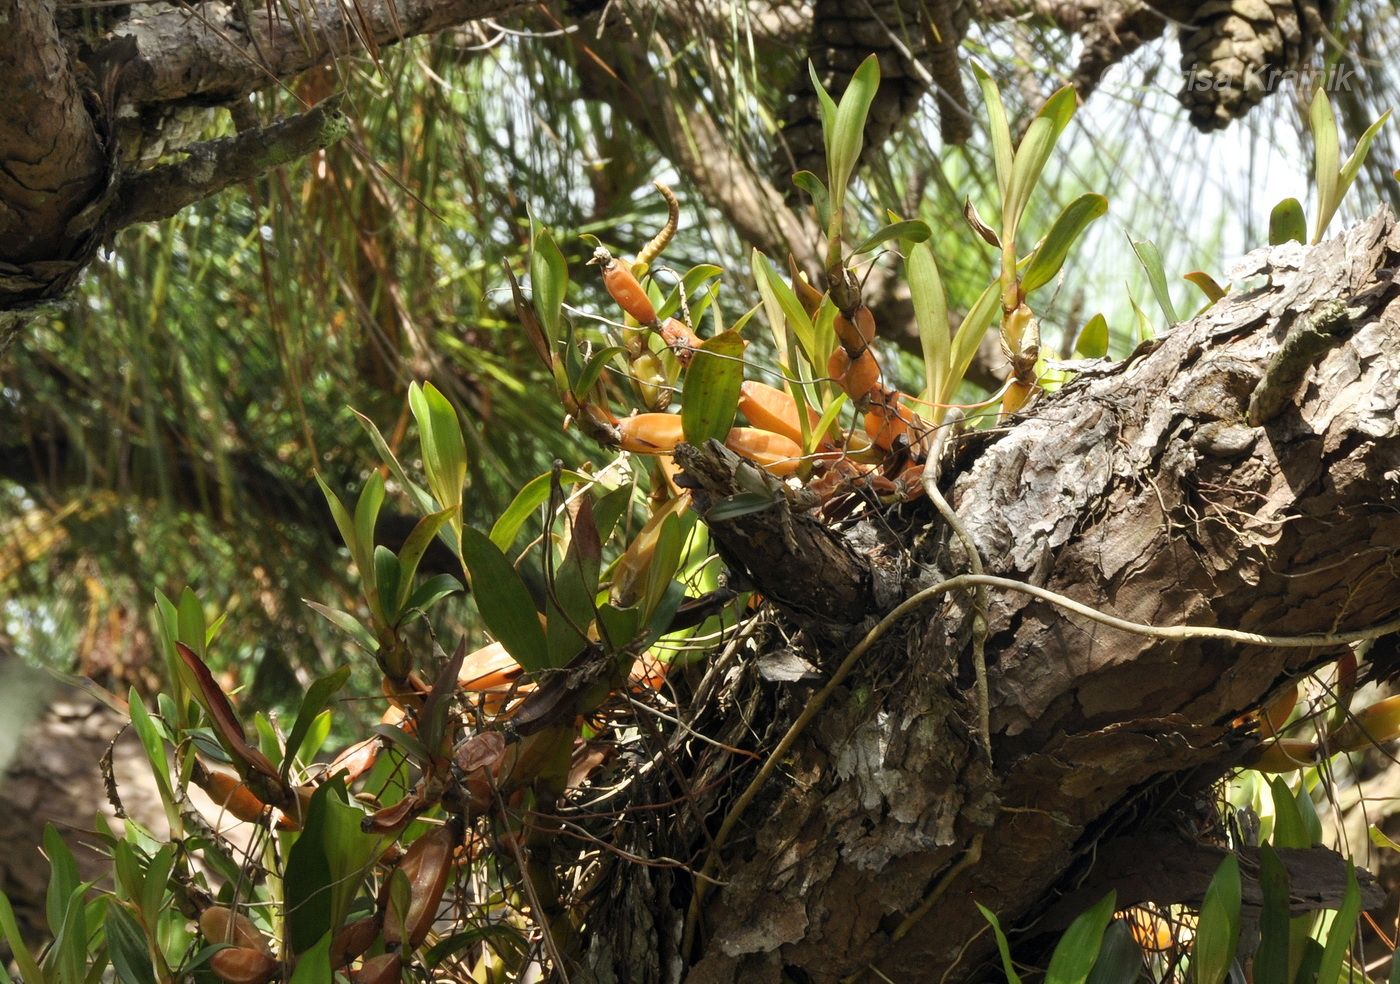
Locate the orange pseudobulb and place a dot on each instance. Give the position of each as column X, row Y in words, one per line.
column 624, row 287
column 650, row 433
column 774, row 452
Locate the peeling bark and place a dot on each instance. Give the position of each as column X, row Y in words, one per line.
column 1141, row 490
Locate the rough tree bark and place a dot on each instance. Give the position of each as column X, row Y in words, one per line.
column 1139, row 489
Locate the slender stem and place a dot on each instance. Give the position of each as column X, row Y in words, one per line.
column 971, row 856
column 979, row 594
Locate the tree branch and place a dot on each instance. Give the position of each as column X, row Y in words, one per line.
column 1110, row 29
column 211, row 52
column 210, row 167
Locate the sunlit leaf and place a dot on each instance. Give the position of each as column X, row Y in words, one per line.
column 420, row 497
column 1379, row 838
column 1032, row 155
column 931, row 315
column 631, row 571
column 444, row 449
column 813, row 186
column 910, row 230
column 769, row 280
column 1145, row 329
column 1326, row 160
column 549, row 282
column 690, row 285
column 190, row 619
column 847, row 129
column 1352, row 166
column 593, row 368
column 969, row 336
column 28, row 967
column 531, row 496
column 1289, row 830
column 1206, row 284
column 1092, row 342
column 1334, row 953
column 413, row 549
column 347, row 622
column 1077, row 216
column 154, row 748
column 1151, row 261
column 318, row 695
column 710, row 397
column 665, row 561
column 1307, row 813
column 314, row 966
column 367, row 514
column 433, row 589
column 826, row 109
column 826, row 421
column 1287, row 223
column 998, row 129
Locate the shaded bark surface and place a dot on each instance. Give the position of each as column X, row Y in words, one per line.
column 1138, row 489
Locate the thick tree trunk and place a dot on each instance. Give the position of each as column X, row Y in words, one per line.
column 1140, row 489
column 51, row 161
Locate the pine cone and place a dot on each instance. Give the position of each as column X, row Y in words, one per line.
column 1234, row 52
column 902, row 33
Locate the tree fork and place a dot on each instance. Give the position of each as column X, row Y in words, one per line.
column 1140, row 491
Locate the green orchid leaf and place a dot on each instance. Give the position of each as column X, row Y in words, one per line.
column 1078, row 948
column 931, row 315
column 910, row 230
column 1326, row 160
column 549, row 282
column 1046, row 261
column 998, row 129
column 504, row 602
column 1287, row 223
column 1151, row 261
column 1218, row 932
column 710, row 397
